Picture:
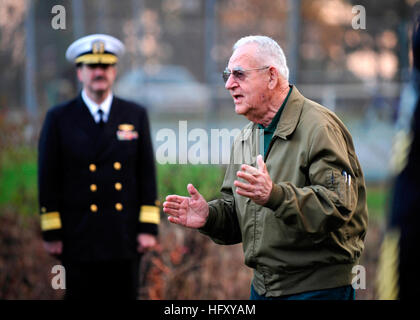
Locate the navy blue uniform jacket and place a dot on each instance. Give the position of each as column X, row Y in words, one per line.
column 97, row 186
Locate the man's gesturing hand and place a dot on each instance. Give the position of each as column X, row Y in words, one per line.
column 190, row 212
column 259, row 184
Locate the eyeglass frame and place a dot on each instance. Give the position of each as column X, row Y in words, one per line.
column 227, row 73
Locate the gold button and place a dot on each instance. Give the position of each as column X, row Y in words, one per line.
column 117, row 166
column 118, row 186
column 93, row 187
column 92, row 167
column 43, row 210
column 93, row 207
column 118, row 206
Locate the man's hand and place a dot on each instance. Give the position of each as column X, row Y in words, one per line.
column 54, row 248
column 189, row 212
column 145, row 242
column 259, row 184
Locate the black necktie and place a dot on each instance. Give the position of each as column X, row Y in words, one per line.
column 101, row 118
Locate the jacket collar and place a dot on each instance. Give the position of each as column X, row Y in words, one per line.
column 291, row 114
column 94, row 107
column 288, row 120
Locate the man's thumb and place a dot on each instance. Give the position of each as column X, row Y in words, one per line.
column 260, row 163
column 193, row 192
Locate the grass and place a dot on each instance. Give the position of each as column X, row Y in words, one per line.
column 377, row 200
column 173, row 179
column 18, row 180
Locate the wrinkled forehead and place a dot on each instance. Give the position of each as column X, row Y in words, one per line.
column 245, row 57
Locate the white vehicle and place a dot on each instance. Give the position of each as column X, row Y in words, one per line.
column 169, row 88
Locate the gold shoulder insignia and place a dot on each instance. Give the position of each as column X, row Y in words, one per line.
column 126, row 127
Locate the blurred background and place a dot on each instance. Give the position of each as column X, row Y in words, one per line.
column 176, row 51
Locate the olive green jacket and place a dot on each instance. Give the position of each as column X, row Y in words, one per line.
column 310, row 233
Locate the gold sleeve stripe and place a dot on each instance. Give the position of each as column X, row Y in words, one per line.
column 50, row 221
column 387, row 274
column 149, row 214
column 105, row 58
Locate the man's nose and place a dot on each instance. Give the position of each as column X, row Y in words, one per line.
column 98, row 72
column 231, row 83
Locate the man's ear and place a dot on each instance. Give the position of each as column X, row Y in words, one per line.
column 79, row 73
column 274, row 77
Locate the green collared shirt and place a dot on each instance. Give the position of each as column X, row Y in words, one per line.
column 271, row 128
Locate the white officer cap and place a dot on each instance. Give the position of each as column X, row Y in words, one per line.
column 95, row 48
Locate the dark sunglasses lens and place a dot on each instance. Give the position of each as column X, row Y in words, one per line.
column 238, row 74
column 226, row 75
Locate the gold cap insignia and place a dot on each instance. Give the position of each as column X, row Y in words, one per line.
column 98, row 47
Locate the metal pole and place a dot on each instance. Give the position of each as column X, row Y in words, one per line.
column 78, row 27
column 209, row 63
column 78, row 18
column 100, row 17
column 209, row 40
column 137, row 10
column 404, row 51
column 293, row 39
column 30, row 71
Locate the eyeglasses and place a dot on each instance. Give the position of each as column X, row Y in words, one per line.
column 238, row 73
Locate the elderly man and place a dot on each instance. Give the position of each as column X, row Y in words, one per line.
column 300, row 211
column 97, row 185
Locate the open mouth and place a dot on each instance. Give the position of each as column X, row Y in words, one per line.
column 237, row 97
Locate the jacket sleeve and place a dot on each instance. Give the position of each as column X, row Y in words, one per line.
column 149, row 215
column 222, row 224
column 49, row 180
column 330, row 198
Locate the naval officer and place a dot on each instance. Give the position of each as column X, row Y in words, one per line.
column 96, row 179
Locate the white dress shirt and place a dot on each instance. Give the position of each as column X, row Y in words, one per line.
column 94, row 107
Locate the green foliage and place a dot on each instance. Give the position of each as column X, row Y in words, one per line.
column 377, row 201
column 173, row 179
column 18, row 184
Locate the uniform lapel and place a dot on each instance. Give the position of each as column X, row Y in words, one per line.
column 84, row 119
column 84, row 122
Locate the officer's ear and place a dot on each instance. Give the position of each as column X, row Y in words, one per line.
column 79, row 70
column 115, row 69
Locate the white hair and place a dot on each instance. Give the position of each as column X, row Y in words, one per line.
column 269, row 50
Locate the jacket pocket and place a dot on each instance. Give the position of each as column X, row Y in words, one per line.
column 343, row 185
